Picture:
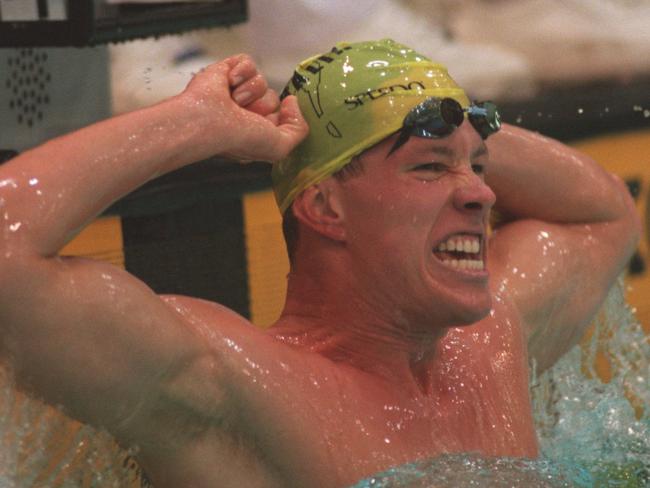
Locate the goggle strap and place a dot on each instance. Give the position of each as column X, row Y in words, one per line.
column 404, row 136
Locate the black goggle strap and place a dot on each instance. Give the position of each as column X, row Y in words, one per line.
column 435, row 118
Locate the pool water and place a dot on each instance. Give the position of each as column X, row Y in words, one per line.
column 592, row 433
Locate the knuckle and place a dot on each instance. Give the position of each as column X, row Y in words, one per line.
column 260, row 82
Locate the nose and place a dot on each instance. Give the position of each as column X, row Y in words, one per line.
column 473, row 195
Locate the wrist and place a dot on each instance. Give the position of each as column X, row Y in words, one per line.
column 189, row 129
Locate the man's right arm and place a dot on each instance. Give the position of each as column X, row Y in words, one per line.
column 84, row 334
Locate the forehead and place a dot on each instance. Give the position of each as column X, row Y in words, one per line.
column 462, row 144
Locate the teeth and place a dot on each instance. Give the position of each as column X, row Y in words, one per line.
column 463, row 244
column 476, row 264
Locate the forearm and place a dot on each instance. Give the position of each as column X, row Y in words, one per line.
column 50, row 192
column 540, row 178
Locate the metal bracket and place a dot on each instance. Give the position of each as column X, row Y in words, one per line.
column 51, row 23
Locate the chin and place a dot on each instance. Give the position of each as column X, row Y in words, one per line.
column 468, row 311
column 469, row 317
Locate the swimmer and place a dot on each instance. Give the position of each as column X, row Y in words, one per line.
column 408, row 327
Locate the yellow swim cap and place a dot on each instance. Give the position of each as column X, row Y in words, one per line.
column 353, row 97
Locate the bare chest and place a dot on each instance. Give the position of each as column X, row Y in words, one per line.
column 339, row 432
column 303, row 421
column 478, row 401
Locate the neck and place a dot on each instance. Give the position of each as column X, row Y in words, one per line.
column 339, row 321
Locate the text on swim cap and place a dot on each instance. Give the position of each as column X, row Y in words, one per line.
column 375, row 93
column 298, row 80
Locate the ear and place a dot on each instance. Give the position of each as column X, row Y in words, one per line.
column 319, row 208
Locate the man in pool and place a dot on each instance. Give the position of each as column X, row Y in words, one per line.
column 393, row 345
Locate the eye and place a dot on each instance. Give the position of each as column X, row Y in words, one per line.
column 478, row 169
column 435, row 167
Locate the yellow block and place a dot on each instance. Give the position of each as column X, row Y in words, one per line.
column 101, row 240
column 266, row 256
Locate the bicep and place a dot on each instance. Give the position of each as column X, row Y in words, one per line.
column 92, row 338
column 557, row 275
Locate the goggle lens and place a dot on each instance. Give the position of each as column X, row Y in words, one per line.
column 485, row 118
column 439, row 117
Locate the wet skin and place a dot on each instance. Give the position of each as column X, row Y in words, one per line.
column 384, row 353
column 323, row 405
column 301, row 419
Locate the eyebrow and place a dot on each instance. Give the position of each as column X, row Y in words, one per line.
column 442, row 151
column 482, row 150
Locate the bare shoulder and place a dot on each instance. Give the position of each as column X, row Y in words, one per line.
column 242, row 355
column 498, row 345
column 226, row 332
column 503, row 329
column 557, row 276
column 197, row 310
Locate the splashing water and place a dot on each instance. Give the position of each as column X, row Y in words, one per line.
column 593, row 426
column 42, row 448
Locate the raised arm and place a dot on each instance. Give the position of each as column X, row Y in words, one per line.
column 566, row 231
column 85, row 334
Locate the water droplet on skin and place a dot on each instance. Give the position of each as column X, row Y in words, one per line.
column 9, row 182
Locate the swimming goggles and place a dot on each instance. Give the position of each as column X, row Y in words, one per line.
column 439, row 117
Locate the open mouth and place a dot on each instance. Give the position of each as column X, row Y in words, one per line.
column 461, row 251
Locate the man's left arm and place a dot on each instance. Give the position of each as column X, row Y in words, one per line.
column 566, row 231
